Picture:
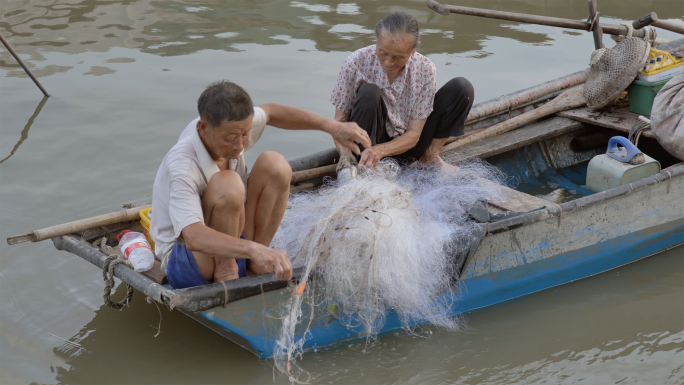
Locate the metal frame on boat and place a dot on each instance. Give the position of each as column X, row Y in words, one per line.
column 548, row 245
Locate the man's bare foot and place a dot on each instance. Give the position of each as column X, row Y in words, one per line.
column 225, row 269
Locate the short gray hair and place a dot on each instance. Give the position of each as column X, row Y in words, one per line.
column 398, row 23
column 224, row 100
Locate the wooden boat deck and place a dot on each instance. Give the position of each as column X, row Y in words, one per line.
column 513, row 200
column 620, row 119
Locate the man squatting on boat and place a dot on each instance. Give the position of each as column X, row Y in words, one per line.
column 389, row 90
column 211, row 220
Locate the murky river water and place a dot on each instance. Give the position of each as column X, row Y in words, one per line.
column 125, row 76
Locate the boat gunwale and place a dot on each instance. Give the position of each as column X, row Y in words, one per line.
column 202, row 298
column 557, row 210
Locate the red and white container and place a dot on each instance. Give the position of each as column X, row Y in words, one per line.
column 136, row 249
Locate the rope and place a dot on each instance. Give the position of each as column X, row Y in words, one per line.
column 636, row 131
column 669, row 181
column 630, row 31
column 650, row 34
column 102, row 245
column 225, row 294
column 560, row 213
column 592, row 21
column 510, row 105
column 108, row 276
column 149, row 300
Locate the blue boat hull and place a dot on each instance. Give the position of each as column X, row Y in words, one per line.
column 256, row 331
column 544, row 248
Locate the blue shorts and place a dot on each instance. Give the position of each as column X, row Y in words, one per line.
column 182, row 270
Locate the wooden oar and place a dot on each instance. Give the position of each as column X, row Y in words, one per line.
column 532, row 19
column 652, row 19
column 571, row 98
column 78, row 226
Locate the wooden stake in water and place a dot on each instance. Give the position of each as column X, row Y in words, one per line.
column 21, row 62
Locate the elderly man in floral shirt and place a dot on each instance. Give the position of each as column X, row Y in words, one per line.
column 390, row 91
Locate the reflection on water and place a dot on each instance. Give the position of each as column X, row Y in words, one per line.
column 27, row 127
column 604, row 341
column 121, row 347
column 170, row 28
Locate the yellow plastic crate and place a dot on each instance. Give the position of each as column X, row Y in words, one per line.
column 146, row 222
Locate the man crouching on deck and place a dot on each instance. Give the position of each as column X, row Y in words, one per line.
column 203, row 224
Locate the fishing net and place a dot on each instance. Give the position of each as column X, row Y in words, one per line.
column 382, row 245
column 613, row 69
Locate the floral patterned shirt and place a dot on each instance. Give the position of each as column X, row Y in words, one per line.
column 409, row 97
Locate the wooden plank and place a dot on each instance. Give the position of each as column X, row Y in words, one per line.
column 156, row 274
column 621, row 119
column 511, row 140
column 513, row 200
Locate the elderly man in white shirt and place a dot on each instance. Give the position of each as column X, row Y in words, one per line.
column 211, row 220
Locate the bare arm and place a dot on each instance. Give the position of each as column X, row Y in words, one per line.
column 348, row 135
column 203, row 239
column 342, row 118
column 399, row 145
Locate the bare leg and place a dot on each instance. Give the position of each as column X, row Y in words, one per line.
column 267, row 192
column 224, row 211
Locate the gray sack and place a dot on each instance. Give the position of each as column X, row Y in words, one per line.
column 667, row 117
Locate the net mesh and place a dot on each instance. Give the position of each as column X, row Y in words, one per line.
column 612, row 70
column 384, row 242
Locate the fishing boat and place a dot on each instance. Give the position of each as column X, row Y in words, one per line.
column 545, row 244
column 544, row 138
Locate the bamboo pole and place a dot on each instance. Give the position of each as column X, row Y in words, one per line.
column 79, row 225
column 519, row 98
column 571, row 98
column 532, row 19
column 317, row 172
column 21, row 62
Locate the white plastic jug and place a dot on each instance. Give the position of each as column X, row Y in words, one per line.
column 136, row 250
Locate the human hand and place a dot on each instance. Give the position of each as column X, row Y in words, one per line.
column 370, row 157
column 267, row 260
column 349, row 135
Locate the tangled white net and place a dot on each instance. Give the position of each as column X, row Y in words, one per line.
column 384, row 242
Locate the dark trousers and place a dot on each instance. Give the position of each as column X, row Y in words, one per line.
column 450, row 110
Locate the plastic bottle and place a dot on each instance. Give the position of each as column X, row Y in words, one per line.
column 136, row 250
column 346, row 175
